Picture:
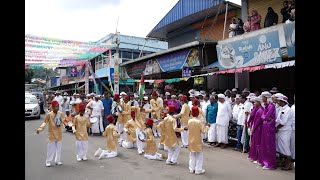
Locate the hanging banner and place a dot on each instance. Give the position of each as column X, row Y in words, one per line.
column 289, row 32
column 186, row 72
column 152, row 67
column 251, row 51
column 175, row 61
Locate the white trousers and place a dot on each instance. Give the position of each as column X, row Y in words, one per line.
column 212, row 133
column 222, row 134
column 153, row 157
column 98, row 126
column 128, row 145
column 195, row 161
column 293, row 144
column 54, row 148
column 162, row 147
column 140, row 144
column 156, row 131
column 120, row 129
column 184, row 136
column 173, row 153
column 283, row 144
column 82, row 148
column 108, row 154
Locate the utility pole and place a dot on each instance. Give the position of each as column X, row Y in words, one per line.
column 116, row 63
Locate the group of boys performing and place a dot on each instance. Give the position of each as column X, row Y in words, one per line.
column 269, row 126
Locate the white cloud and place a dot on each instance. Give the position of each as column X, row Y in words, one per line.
column 91, row 20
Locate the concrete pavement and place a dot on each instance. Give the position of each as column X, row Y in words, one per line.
column 220, row 164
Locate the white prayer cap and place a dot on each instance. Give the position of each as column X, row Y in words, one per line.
column 180, row 95
column 227, row 91
column 259, row 99
column 234, row 90
column 213, row 93
column 238, row 96
column 283, row 98
column 74, row 94
column 266, row 94
column 191, row 95
column 277, row 95
column 246, row 90
column 64, row 97
column 67, row 110
column 136, row 95
column 65, row 93
column 167, row 94
column 173, row 96
column 191, row 91
column 123, row 93
column 221, row 96
column 197, row 93
column 251, row 95
column 145, row 98
column 252, row 98
column 88, row 95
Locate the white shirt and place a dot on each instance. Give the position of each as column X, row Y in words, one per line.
column 235, row 112
column 147, row 106
column 277, row 109
column 204, row 105
column 247, row 107
column 293, row 107
column 285, row 118
column 241, row 114
column 161, row 101
column 60, row 101
column 224, row 113
column 97, row 107
column 190, row 104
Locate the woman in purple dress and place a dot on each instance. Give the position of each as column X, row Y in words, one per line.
column 256, row 130
column 267, row 153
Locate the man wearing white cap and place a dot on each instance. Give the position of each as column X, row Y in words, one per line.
column 284, row 130
column 65, row 104
column 274, row 98
column 146, row 105
column 191, row 99
column 59, row 98
column 97, row 111
column 245, row 138
column 293, row 134
column 223, row 117
column 167, row 95
column 204, row 104
column 240, row 116
column 122, row 95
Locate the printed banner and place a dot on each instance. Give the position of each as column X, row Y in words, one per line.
column 186, row 72
column 289, row 31
column 260, row 49
column 64, row 80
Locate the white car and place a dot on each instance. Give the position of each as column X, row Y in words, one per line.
column 32, row 108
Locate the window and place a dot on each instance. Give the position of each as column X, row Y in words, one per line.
column 135, row 55
column 126, row 55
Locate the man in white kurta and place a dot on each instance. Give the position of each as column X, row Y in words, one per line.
column 223, row 117
column 59, row 98
column 96, row 108
column 284, row 131
column 204, row 105
column 293, row 134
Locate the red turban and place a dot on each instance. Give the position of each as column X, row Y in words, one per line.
column 154, row 93
column 127, row 97
column 149, row 121
column 184, row 98
column 54, row 103
column 82, row 107
column 171, row 109
column 110, row 118
column 116, row 96
column 195, row 111
column 195, row 102
column 133, row 113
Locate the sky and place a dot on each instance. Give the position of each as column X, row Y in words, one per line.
column 91, row 20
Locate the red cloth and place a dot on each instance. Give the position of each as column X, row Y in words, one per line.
column 165, row 102
column 149, row 122
column 154, row 93
column 110, row 118
column 171, row 109
column 133, row 113
column 82, row 107
column 54, row 103
column 127, row 97
column 184, row 98
column 195, row 102
column 116, row 96
column 195, row 111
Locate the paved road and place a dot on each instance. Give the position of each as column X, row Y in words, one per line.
column 220, row 164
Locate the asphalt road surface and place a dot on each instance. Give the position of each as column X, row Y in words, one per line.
column 220, row 164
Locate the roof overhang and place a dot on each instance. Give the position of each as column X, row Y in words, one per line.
column 162, row 32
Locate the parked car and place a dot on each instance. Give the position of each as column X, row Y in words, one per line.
column 32, row 108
